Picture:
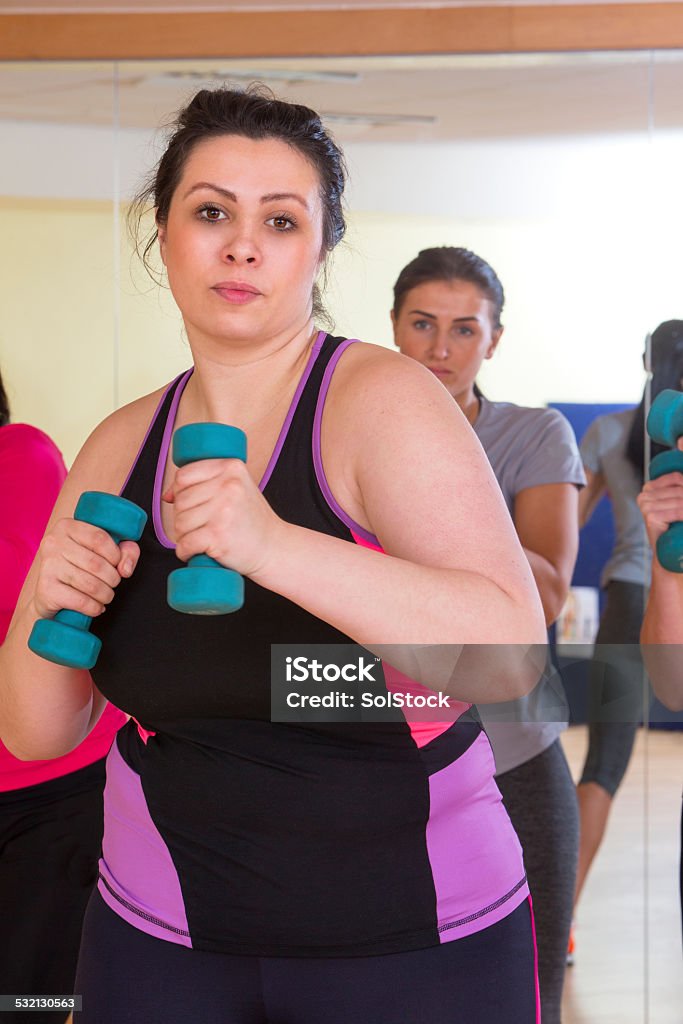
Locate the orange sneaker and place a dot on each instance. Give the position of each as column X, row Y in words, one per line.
column 571, row 947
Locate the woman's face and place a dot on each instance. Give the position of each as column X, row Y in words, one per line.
column 448, row 327
column 243, row 238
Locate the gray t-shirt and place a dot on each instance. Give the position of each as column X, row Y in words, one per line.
column 603, row 451
column 527, row 448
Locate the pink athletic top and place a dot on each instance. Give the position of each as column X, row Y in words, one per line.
column 32, row 472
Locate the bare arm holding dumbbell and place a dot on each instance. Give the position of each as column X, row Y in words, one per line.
column 661, row 503
column 47, row 709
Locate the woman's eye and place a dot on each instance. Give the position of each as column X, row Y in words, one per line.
column 421, row 325
column 211, row 213
column 466, row 332
column 281, row 223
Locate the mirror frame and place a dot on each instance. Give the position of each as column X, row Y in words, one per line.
column 357, row 32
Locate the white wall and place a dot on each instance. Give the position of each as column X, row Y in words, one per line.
column 583, row 232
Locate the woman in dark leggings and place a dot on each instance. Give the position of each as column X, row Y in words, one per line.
column 257, row 868
column 613, row 453
column 661, row 504
column 447, row 314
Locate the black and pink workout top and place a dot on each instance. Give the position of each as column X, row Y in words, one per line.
column 227, row 832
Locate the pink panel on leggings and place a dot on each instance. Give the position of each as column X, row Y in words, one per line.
column 138, row 879
column 474, row 853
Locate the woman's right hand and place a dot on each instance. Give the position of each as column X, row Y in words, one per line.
column 661, row 502
column 79, row 566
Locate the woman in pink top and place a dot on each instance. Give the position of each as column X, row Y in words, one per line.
column 50, row 811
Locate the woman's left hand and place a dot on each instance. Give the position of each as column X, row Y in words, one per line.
column 219, row 511
column 661, row 502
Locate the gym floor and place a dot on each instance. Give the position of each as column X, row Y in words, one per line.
column 628, row 967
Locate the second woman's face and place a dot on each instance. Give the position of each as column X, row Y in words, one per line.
column 243, row 238
column 448, row 327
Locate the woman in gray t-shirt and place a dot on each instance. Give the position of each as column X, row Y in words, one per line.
column 446, row 315
column 613, row 453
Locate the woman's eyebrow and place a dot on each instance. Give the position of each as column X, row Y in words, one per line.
column 455, row 320
column 279, row 196
column 269, row 198
column 215, row 188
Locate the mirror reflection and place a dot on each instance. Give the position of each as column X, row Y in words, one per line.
column 558, row 170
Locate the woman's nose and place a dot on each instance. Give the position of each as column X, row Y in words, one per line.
column 440, row 347
column 241, row 247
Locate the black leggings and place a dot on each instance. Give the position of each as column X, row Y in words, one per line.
column 618, row 690
column 50, row 840
column 541, row 800
column 126, row 976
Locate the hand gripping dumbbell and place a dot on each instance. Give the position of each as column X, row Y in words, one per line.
column 66, row 639
column 204, row 586
column 665, row 426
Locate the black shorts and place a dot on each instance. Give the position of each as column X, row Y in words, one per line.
column 50, row 842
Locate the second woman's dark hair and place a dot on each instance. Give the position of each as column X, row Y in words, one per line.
column 666, row 365
column 253, row 113
column 4, row 405
column 448, row 263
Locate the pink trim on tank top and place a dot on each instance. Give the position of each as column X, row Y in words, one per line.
column 161, row 534
column 465, row 807
column 138, row 878
column 536, row 980
column 143, row 733
column 422, row 731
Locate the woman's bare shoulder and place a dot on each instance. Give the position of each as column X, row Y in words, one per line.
column 372, row 380
column 105, row 459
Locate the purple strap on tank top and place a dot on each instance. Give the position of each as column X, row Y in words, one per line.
column 161, row 535
column 149, row 430
column 161, row 463
column 317, row 450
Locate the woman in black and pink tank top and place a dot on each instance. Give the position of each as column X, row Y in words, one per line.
column 329, row 866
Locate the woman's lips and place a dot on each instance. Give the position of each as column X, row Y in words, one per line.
column 236, row 292
column 439, row 371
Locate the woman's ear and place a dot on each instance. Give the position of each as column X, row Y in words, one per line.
column 161, row 238
column 393, row 324
column 495, row 338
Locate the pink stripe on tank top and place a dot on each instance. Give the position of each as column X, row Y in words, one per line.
column 138, row 878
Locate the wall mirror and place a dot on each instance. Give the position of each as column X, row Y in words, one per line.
column 560, row 169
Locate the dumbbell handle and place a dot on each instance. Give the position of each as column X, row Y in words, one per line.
column 65, row 639
column 77, row 619
column 670, row 543
column 193, row 589
column 198, row 441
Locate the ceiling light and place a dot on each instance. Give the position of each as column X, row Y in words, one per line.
column 255, row 75
column 378, row 119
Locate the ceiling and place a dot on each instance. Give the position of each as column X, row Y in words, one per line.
column 140, row 6
column 378, row 99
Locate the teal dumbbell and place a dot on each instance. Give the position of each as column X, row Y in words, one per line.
column 665, row 426
column 66, row 639
column 670, row 543
column 665, row 418
column 204, row 586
